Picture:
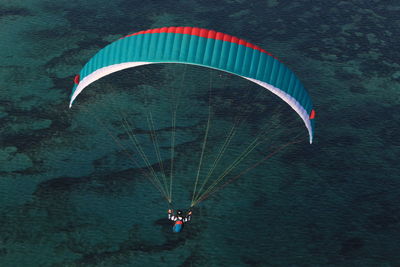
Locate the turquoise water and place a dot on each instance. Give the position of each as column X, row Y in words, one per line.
column 71, row 196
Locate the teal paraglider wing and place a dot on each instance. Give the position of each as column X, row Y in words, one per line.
column 208, row 48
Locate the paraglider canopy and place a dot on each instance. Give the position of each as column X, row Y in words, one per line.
column 208, row 48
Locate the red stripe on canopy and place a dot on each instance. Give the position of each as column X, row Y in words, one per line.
column 312, row 114
column 76, row 79
column 205, row 34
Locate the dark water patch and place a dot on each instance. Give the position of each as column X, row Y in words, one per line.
column 372, row 68
column 345, row 141
column 104, row 185
column 365, row 32
column 261, row 201
column 194, row 260
column 389, row 132
column 112, row 17
column 223, row 17
column 34, row 170
column 3, row 252
column 308, row 152
column 358, row 89
column 58, row 114
column 215, row 3
column 19, row 226
column 214, row 18
column 53, row 198
column 290, row 181
column 70, row 57
column 64, row 85
column 369, row 115
column 349, row 77
column 369, row 197
column 98, row 182
column 351, row 246
column 133, row 245
column 164, row 222
column 315, row 232
column 138, row 131
column 380, row 206
column 14, row 11
column 24, row 139
column 384, row 221
column 7, row 107
column 336, row 171
column 101, row 167
column 91, row 43
column 30, row 136
column 252, row 261
column 16, row 75
column 59, row 186
column 155, row 8
column 126, row 249
column 44, row 34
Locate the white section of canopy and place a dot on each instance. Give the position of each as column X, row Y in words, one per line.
column 293, row 103
column 97, row 74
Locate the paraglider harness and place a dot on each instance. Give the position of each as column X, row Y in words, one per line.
column 179, row 219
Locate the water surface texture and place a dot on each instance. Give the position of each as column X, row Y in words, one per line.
column 75, row 191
